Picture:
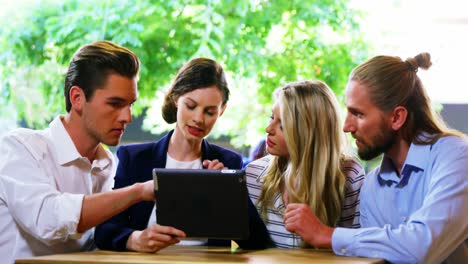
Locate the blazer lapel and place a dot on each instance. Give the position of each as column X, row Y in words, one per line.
column 208, row 153
column 160, row 151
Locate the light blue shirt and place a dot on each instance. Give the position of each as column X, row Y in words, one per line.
column 421, row 217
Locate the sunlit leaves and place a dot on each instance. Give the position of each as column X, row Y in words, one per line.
column 262, row 45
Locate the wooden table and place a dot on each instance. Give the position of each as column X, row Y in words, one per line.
column 196, row 254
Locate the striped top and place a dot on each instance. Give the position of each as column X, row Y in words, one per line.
column 274, row 223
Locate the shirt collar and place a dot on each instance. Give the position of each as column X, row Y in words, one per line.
column 64, row 146
column 416, row 159
column 66, row 149
column 418, row 155
column 103, row 158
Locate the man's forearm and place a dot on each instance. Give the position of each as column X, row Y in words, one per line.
column 99, row 207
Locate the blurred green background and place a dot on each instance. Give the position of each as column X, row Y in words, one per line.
column 262, row 44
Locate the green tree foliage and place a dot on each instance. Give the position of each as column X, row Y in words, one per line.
column 262, row 44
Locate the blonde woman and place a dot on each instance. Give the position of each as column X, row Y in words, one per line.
column 306, row 167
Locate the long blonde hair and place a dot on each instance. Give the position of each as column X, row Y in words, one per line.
column 313, row 133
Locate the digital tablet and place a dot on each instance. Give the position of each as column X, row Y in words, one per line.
column 203, row 203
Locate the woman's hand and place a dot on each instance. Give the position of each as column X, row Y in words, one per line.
column 154, row 238
column 300, row 219
column 213, row 165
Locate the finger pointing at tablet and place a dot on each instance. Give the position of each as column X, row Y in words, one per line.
column 213, row 164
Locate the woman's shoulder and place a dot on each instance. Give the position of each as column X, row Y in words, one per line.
column 254, row 172
column 260, row 163
column 223, row 151
column 257, row 167
column 353, row 170
column 137, row 147
column 231, row 158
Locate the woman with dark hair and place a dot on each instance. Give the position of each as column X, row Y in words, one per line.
column 195, row 101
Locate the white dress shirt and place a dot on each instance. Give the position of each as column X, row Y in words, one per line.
column 43, row 180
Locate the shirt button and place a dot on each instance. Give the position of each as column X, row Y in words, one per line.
column 343, row 251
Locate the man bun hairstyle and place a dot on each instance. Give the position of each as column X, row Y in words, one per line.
column 422, row 60
column 392, row 82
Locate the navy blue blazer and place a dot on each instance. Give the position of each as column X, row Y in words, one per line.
column 135, row 165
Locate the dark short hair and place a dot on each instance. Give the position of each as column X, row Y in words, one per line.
column 197, row 73
column 92, row 64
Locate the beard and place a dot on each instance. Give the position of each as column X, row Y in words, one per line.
column 382, row 143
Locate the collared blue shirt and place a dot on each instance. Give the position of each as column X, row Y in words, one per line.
column 420, row 217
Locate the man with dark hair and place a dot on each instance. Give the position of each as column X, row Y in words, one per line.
column 53, row 182
column 413, row 207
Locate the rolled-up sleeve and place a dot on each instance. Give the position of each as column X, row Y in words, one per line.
column 30, row 192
